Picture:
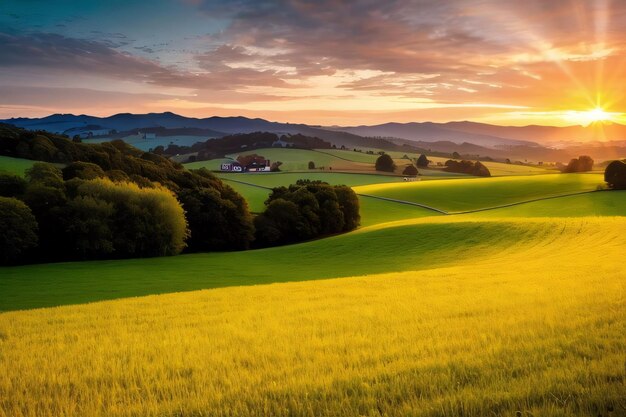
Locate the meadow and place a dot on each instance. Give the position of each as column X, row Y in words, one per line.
column 146, row 144
column 481, row 193
column 513, row 311
column 533, row 324
column 15, row 165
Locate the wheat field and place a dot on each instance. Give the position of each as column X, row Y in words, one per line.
column 536, row 327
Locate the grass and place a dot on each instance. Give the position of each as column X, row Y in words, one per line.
column 146, row 144
column 211, row 164
column 498, row 169
column 477, row 193
column 373, row 211
column 256, row 196
column 484, row 318
column 277, row 179
column 605, row 203
column 514, row 310
column 298, row 159
column 15, row 165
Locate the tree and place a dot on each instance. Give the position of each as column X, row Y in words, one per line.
column 467, row 167
column 45, row 174
column 456, row 155
column 306, row 210
column 145, row 222
column 246, row 160
column 83, row 170
column 422, row 161
column 11, row 185
column 349, row 203
column 615, row 175
column 279, row 223
column 583, row 163
column 410, row 170
column 311, row 165
column 19, row 230
column 217, row 221
column 480, row 170
column 385, row 163
column 87, row 223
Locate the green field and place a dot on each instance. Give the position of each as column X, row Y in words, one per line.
column 298, row 160
column 271, row 179
column 471, row 317
column 147, row 144
column 517, row 308
column 15, row 165
column 479, row 193
column 601, row 203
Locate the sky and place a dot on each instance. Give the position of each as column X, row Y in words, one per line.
column 323, row 62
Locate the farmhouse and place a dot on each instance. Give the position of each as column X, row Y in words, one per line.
column 252, row 166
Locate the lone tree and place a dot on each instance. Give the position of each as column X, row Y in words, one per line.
column 583, row 163
column 422, row 161
column 410, row 170
column 385, row 163
column 311, row 165
column 615, row 175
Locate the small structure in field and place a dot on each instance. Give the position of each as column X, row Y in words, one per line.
column 247, row 163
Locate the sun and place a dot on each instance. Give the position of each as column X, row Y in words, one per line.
column 587, row 117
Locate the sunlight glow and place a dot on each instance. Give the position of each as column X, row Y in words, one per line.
column 591, row 116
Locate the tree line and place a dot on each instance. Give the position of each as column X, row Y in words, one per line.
column 111, row 200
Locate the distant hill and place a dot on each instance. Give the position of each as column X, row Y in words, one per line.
column 494, row 136
column 432, row 132
column 538, row 143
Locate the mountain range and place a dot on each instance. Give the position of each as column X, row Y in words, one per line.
column 476, row 138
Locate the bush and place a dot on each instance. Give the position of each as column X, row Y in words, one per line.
column 306, row 210
column 45, row 174
column 615, row 175
column 19, row 230
column 217, row 221
column 83, row 170
column 410, row 170
column 583, row 163
column 422, row 161
column 58, row 202
column 145, row 221
column 311, row 165
column 385, row 163
column 11, row 185
column 467, row 167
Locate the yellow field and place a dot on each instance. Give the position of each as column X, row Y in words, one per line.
column 536, row 327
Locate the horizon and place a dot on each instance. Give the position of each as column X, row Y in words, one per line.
column 557, row 64
column 200, row 117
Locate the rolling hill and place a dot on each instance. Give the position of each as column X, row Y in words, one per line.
column 602, row 141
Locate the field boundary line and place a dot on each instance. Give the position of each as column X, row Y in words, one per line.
column 437, row 210
column 523, row 202
column 247, row 183
column 410, row 203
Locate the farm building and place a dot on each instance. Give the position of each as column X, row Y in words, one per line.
column 253, row 166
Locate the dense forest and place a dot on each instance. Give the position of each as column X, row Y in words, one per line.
column 217, row 148
column 111, row 200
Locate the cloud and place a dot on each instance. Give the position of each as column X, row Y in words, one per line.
column 532, row 53
column 53, row 51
